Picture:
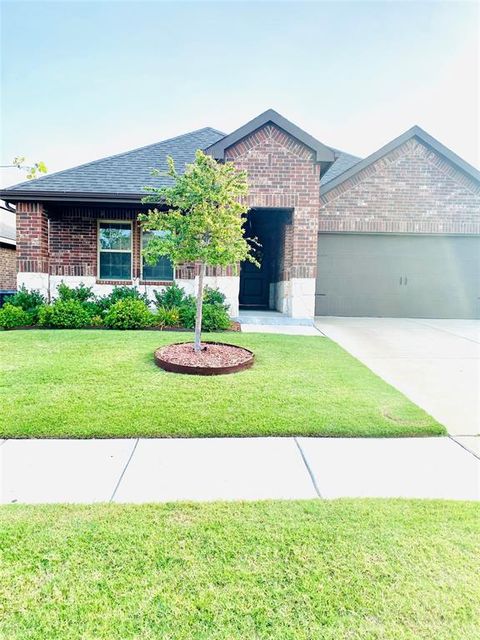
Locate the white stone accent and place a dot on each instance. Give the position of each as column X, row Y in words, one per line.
column 33, row 280
column 296, row 297
column 302, row 297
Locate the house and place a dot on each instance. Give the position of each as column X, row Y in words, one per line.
column 8, row 269
column 394, row 234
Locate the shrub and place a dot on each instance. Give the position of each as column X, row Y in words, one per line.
column 80, row 294
column 171, row 297
column 129, row 313
column 214, row 296
column 14, row 316
column 187, row 314
column 214, row 317
column 29, row 301
column 118, row 294
column 64, row 314
column 167, row 317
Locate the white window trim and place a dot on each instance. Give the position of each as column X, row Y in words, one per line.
column 142, row 231
column 130, row 223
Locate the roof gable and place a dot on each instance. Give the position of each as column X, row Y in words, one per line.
column 322, row 153
column 414, row 132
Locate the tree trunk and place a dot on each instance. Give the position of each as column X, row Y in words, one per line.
column 198, row 317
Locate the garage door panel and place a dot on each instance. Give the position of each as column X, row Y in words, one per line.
column 398, row 276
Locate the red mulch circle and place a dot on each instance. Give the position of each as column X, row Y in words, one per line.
column 215, row 358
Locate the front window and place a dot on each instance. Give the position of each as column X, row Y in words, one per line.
column 163, row 269
column 115, row 250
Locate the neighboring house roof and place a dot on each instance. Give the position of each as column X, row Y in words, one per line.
column 414, row 132
column 322, row 152
column 7, row 227
column 125, row 174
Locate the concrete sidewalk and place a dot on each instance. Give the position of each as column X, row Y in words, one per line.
column 160, row 470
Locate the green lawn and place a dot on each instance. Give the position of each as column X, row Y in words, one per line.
column 105, row 384
column 342, row 570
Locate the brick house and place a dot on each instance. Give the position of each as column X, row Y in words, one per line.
column 394, row 234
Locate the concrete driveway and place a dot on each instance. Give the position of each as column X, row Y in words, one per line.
column 435, row 363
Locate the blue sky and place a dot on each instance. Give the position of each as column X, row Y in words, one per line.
column 81, row 80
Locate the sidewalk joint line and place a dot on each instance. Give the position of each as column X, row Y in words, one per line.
column 464, row 447
column 307, row 466
column 124, row 470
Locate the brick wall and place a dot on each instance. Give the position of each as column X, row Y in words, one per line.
column 32, row 237
column 8, row 267
column 282, row 174
column 411, row 190
column 68, row 240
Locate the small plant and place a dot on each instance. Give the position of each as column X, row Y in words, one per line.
column 64, row 314
column 214, row 296
column 29, row 301
column 129, row 313
column 170, row 297
column 80, row 293
column 214, row 317
column 118, row 294
column 167, row 317
column 14, row 316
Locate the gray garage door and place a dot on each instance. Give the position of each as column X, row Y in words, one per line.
column 398, row 276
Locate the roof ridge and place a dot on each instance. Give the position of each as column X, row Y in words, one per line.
column 114, row 155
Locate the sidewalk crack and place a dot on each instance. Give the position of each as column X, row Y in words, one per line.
column 124, row 470
column 307, row 466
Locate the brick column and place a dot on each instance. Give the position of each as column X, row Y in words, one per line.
column 32, row 246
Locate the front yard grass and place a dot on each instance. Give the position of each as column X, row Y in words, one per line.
column 84, row 384
column 356, row 570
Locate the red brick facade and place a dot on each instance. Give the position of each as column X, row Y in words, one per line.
column 282, row 174
column 8, row 269
column 68, row 241
column 410, row 190
column 32, row 237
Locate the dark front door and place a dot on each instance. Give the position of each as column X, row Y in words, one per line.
column 255, row 283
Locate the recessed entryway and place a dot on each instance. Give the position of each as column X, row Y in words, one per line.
column 266, row 230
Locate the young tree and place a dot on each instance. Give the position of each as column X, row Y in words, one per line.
column 32, row 169
column 203, row 221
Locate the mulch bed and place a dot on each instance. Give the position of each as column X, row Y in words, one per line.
column 214, row 358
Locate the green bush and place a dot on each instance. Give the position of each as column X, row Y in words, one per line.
column 80, row 294
column 14, row 316
column 120, row 293
column 29, row 301
column 214, row 317
column 64, row 314
column 167, row 317
column 171, row 297
column 129, row 313
column 214, row 296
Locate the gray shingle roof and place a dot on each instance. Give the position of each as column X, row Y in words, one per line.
column 125, row 173
column 343, row 162
column 129, row 172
